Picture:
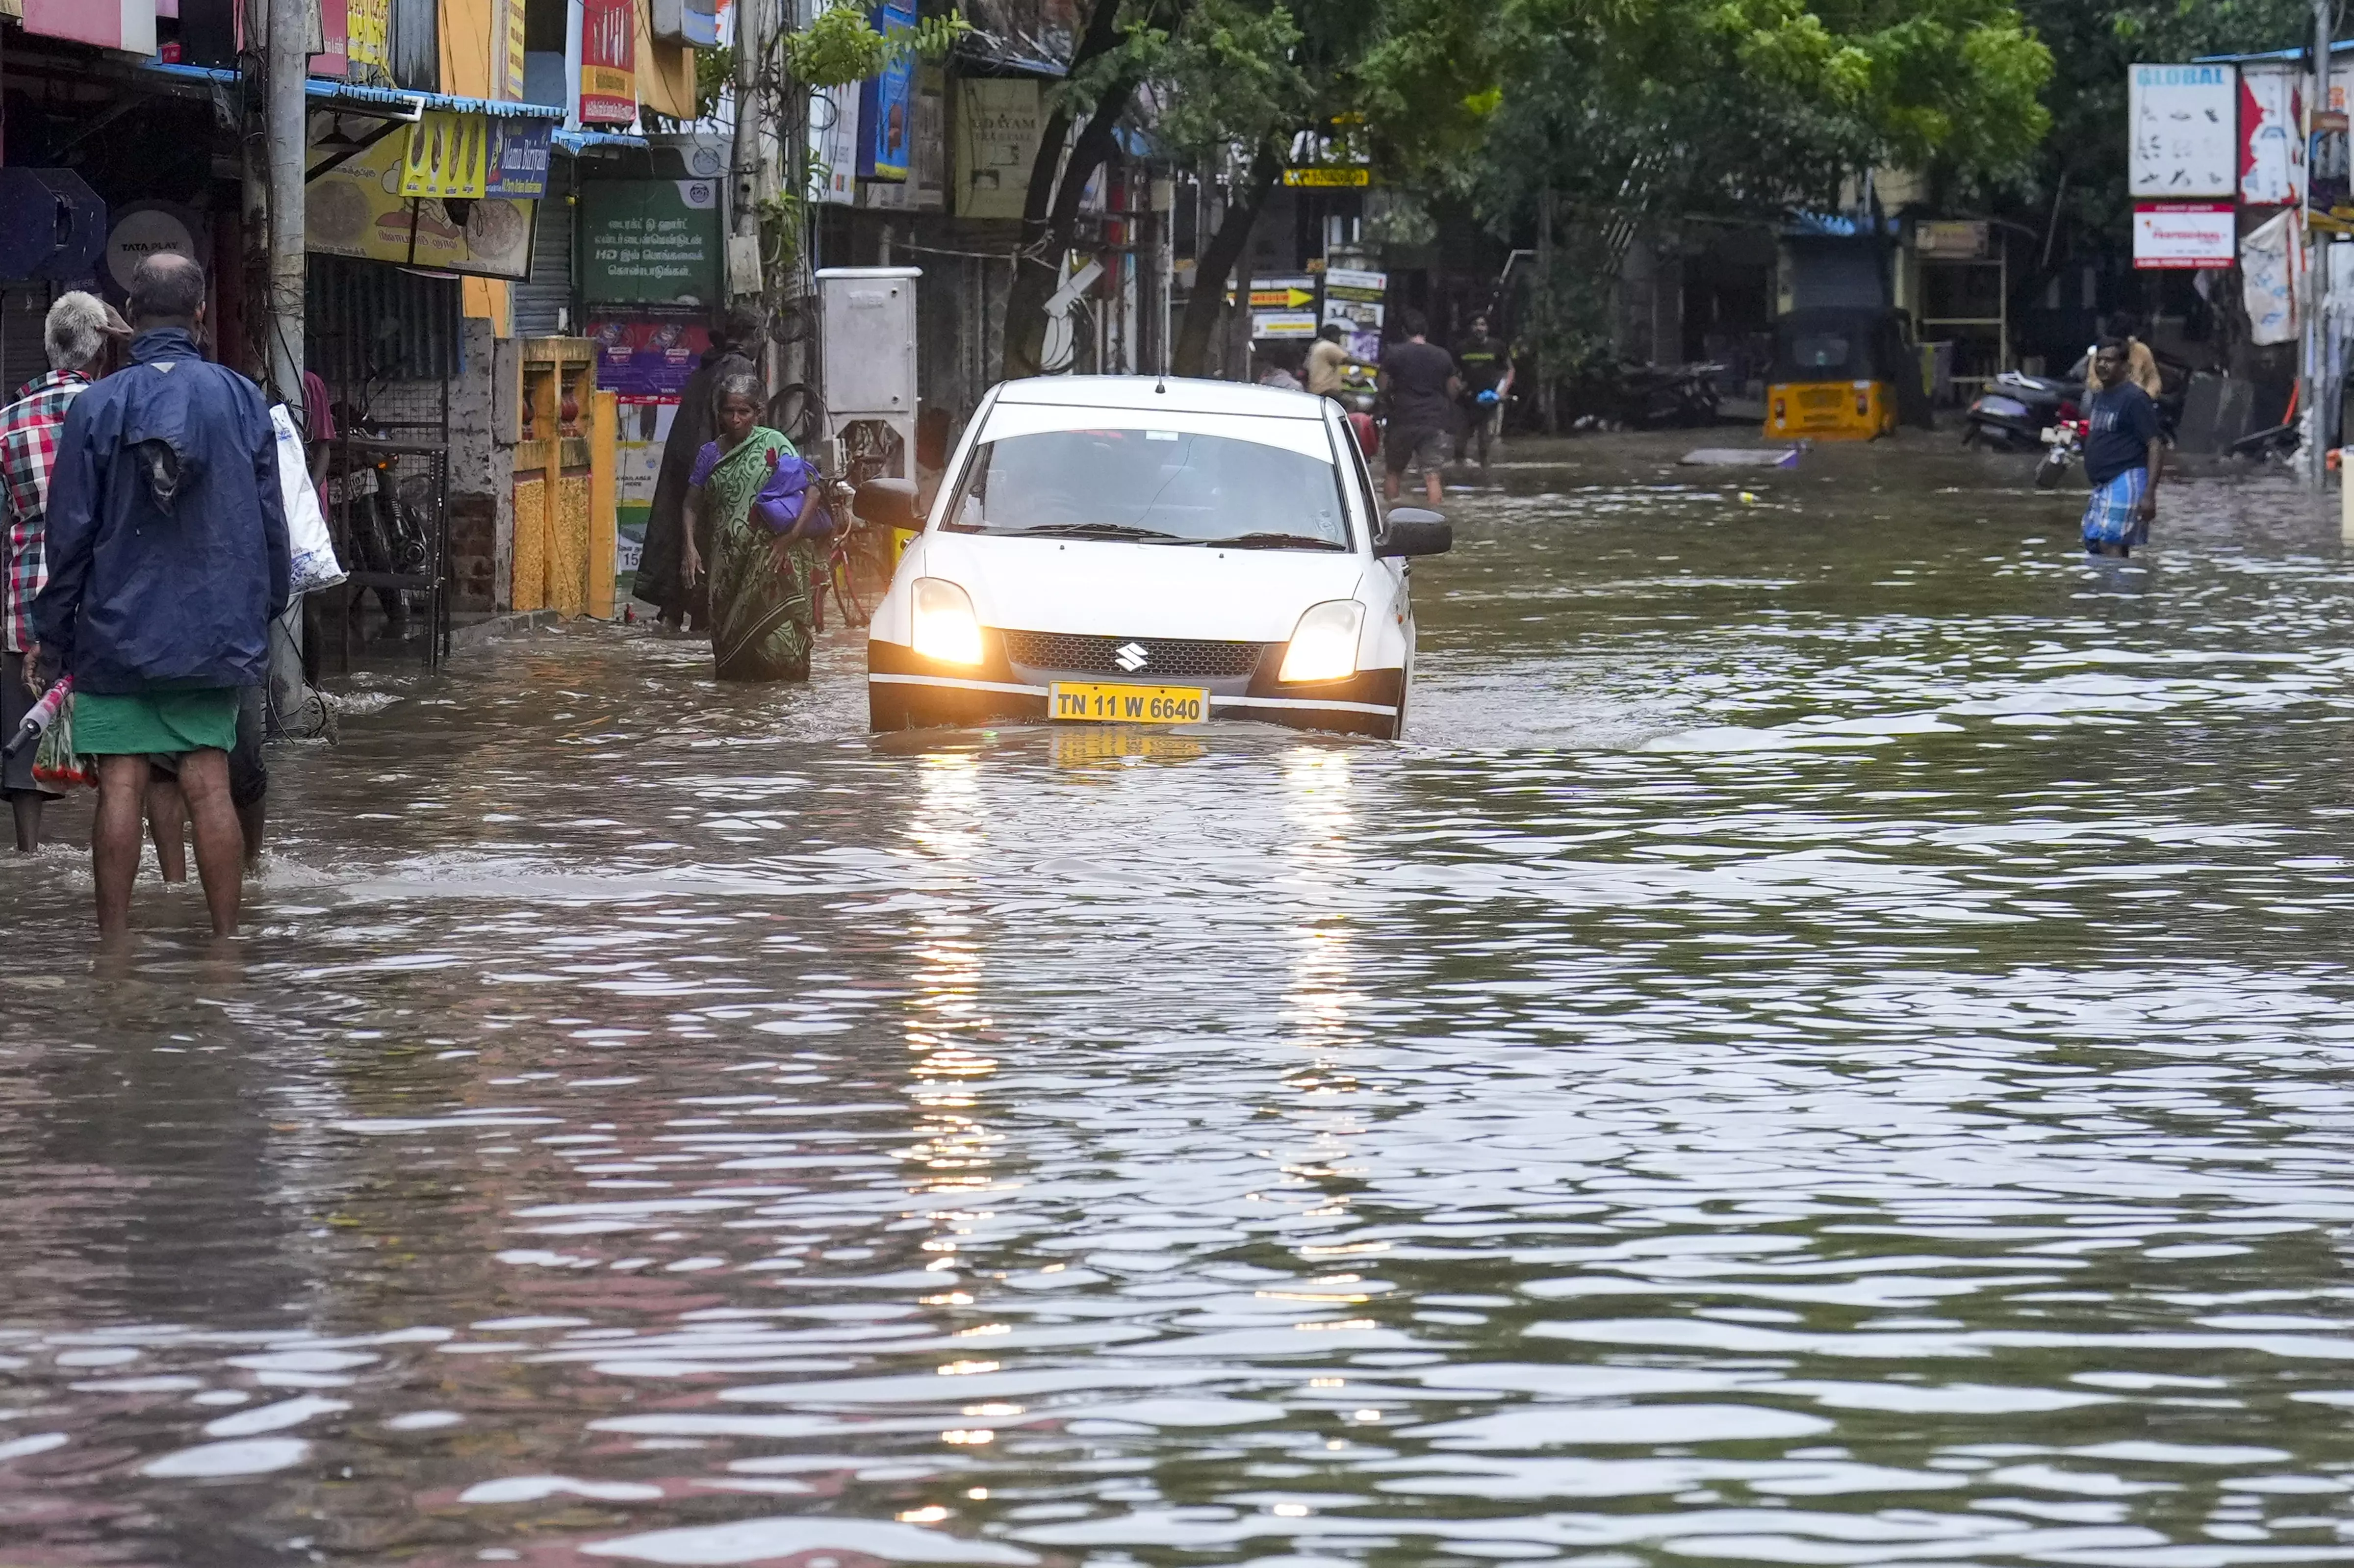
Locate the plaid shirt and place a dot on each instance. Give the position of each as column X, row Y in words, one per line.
column 28, row 449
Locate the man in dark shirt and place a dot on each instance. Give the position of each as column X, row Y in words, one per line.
column 1419, row 377
column 2122, row 454
column 1487, row 365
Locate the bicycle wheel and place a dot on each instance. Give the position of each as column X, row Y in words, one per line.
column 846, row 591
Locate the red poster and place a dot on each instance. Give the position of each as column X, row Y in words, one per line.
column 609, row 62
column 333, row 15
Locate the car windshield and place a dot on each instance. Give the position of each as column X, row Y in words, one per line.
column 1153, row 486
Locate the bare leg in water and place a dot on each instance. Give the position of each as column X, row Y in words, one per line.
column 27, row 806
column 167, row 818
column 220, row 843
column 114, row 839
column 249, row 818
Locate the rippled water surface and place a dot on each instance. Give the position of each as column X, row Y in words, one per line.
column 1829, row 1044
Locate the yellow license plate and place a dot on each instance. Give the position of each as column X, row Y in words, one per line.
column 1102, row 702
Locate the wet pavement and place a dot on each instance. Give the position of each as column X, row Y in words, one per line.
column 1828, row 1044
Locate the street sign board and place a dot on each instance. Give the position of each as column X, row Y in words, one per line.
column 2182, row 234
column 2185, row 135
column 1282, row 293
column 1283, row 324
column 1349, row 283
column 1344, row 178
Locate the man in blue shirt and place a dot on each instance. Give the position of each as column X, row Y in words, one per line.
column 167, row 562
column 2124, row 453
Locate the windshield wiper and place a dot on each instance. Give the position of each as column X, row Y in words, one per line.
column 1275, row 541
column 1086, row 531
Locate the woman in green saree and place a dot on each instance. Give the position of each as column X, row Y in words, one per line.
column 763, row 584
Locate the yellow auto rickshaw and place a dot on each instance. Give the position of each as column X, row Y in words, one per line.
column 1843, row 373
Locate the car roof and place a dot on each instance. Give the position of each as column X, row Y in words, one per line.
column 1177, row 394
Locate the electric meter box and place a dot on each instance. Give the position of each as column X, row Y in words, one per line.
column 867, row 318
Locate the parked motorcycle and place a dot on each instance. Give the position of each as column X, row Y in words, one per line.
column 2063, row 446
column 1682, row 395
column 2016, row 409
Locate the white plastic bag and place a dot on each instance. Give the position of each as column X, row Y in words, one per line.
column 315, row 566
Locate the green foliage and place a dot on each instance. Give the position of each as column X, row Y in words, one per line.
column 841, row 46
column 1406, row 83
column 1750, row 108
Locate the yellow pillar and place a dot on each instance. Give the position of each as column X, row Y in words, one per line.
column 604, row 494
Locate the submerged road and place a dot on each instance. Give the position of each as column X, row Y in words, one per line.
column 1828, row 1044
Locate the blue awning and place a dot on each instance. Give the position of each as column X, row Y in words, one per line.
column 579, row 142
column 2304, row 52
column 362, row 100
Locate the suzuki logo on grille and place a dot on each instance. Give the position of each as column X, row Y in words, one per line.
column 1132, row 658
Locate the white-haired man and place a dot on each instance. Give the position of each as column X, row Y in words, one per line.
column 75, row 337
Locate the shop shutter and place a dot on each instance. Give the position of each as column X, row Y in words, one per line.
column 368, row 324
column 549, row 291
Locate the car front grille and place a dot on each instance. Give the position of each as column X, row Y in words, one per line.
column 1162, row 658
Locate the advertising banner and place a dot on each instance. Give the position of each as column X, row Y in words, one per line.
column 833, row 138
column 1283, row 324
column 1354, row 299
column 886, row 107
column 927, row 163
column 519, row 154
column 357, row 209
column 1283, row 293
column 449, row 156
column 367, row 40
column 2329, row 182
column 2182, row 234
column 2184, row 122
column 127, row 25
column 609, row 62
column 650, row 241
column 997, row 130
column 2272, row 134
column 333, row 39
column 648, row 356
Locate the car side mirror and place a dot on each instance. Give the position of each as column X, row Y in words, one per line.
column 1414, row 531
column 888, row 503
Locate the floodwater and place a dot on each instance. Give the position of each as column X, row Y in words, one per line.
column 1829, row 1044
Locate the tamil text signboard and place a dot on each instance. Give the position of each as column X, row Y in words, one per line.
column 650, row 241
column 2184, row 131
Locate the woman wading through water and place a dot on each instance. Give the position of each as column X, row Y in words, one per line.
column 758, row 504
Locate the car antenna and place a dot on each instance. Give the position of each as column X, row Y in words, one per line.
column 1163, row 388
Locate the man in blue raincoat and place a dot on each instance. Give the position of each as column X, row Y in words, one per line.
column 167, row 562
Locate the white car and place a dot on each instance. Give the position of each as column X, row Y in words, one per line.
column 1134, row 550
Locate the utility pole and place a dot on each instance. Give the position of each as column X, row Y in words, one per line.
column 751, row 39
column 2320, row 437
column 277, row 33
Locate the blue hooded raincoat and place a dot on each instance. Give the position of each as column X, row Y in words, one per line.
column 166, row 528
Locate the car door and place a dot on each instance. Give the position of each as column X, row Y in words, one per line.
column 1394, row 575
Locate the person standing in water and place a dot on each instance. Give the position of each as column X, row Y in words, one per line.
column 75, row 337
column 2124, row 454
column 756, row 501
column 168, row 560
column 735, row 338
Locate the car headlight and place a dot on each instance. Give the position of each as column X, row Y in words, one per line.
column 1324, row 646
column 946, row 627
